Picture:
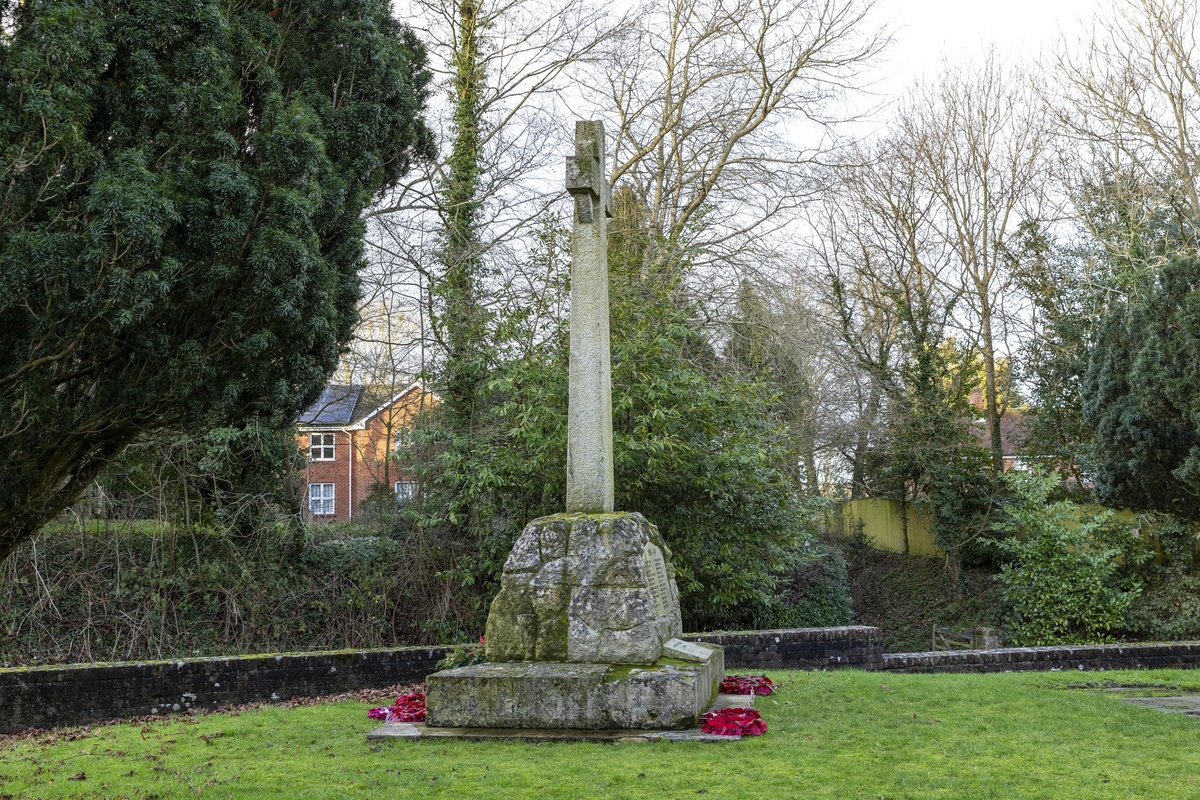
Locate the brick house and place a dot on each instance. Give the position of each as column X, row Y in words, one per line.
column 348, row 434
column 1013, row 432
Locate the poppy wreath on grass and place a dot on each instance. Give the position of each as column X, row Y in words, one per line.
column 408, row 708
column 747, row 684
column 734, row 722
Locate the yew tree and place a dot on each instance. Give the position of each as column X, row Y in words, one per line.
column 181, row 191
column 1140, row 399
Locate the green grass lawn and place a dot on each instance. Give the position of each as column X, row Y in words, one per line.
column 844, row 734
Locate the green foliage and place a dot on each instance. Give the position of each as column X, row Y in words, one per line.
column 1141, row 398
column 1063, row 579
column 931, row 455
column 1168, row 609
column 1065, row 299
column 814, row 591
column 700, row 453
column 181, row 186
column 463, row 656
column 107, row 591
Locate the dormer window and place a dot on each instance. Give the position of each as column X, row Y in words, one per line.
column 320, row 447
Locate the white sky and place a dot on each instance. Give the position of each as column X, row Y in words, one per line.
column 926, row 31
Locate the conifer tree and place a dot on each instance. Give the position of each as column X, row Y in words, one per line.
column 181, row 185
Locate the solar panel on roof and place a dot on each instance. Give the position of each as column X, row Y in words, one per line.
column 335, row 406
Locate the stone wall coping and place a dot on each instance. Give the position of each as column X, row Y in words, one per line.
column 840, row 632
column 1052, row 650
column 189, row 660
column 1116, row 655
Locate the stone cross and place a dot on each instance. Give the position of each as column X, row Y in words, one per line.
column 589, row 411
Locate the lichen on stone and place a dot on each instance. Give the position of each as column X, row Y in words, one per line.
column 577, row 587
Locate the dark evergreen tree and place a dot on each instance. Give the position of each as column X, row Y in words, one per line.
column 181, row 186
column 1141, row 396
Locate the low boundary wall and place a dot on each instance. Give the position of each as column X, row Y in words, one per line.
column 45, row 697
column 799, row 648
column 1151, row 655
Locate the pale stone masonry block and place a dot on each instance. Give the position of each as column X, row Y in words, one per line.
column 589, row 406
column 667, row 695
column 585, row 588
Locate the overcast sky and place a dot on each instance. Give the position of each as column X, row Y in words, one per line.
column 928, row 30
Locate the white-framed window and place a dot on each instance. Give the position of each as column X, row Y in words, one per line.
column 320, row 499
column 320, row 447
column 405, row 491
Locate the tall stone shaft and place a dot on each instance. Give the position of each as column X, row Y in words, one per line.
column 589, row 415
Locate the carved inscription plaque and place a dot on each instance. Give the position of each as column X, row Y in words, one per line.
column 656, row 574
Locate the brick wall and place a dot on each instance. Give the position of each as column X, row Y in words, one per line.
column 1182, row 655
column 43, row 697
column 799, row 648
column 336, row 472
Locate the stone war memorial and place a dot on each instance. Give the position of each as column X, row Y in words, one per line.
column 585, row 632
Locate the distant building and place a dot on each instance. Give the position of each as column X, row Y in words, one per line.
column 1013, row 432
column 348, row 435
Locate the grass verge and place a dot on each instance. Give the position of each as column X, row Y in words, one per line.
column 844, row 734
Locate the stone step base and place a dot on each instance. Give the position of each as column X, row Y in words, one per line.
column 411, row 731
column 670, row 694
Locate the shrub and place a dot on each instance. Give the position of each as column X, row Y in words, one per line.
column 1063, row 578
column 1168, row 609
column 117, row 591
column 814, row 592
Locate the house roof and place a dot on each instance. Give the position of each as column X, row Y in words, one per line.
column 349, row 405
column 1013, row 432
column 335, row 406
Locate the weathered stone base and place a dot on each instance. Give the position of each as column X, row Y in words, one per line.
column 589, row 588
column 412, row 731
column 670, row 694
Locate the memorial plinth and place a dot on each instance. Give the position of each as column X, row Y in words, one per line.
column 584, row 634
column 668, row 695
column 593, row 588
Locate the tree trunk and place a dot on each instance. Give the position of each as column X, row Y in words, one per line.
column 813, row 486
column 463, row 317
column 62, row 473
column 990, row 392
column 865, row 422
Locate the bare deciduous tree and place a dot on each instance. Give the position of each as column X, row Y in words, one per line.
column 515, row 59
column 712, row 99
column 879, row 255
column 1131, row 95
column 980, row 141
